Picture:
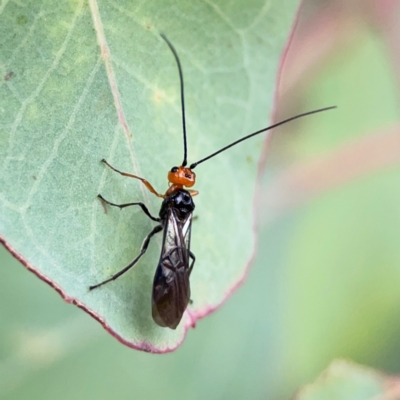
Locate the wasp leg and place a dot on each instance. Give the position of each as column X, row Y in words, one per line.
column 193, row 192
column 145, row 244
column 144, row 181
column 143, row 207
column 192, row 256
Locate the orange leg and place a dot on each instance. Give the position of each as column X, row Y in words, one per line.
column 144, row 181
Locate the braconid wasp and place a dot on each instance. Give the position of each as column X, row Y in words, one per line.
column 171, row 287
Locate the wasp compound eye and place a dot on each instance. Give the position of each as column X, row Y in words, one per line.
column 174, row 169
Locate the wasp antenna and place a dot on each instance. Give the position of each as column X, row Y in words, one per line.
column 172, row 48
column 260, row 131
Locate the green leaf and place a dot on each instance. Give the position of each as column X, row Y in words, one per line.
column 344, row 380
column 86, row 81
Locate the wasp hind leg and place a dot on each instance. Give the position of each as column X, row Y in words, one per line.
column 143, row 207
column 145, row 245
column 193, row 257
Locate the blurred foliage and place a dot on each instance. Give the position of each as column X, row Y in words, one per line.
column 347, row 381
column 324, row 284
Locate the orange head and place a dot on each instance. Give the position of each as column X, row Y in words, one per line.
column 182, row 176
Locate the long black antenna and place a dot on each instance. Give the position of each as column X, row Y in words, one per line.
column 184, row 162
column 260, row 131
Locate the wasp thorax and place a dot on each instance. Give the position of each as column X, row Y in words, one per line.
column 182, row 176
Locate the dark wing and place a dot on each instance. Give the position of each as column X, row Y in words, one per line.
column 171, row 288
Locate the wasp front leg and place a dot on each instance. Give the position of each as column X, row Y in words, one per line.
column 148, row 185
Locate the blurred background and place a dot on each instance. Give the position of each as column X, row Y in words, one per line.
column 325, row 282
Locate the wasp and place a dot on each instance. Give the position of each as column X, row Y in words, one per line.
column 171, row 286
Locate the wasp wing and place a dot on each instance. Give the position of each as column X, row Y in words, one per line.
column 171, row 288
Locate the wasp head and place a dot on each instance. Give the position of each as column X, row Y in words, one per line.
column 182, row 176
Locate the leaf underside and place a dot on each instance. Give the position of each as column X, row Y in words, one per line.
column 85, row 81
